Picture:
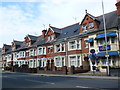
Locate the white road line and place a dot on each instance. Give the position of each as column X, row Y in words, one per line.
column 11, row 77
column 39, row 81
column 82, row 87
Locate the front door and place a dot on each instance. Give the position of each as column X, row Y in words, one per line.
column 86, row 64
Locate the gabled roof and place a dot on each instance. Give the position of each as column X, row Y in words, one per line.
column 89, row 15
column 110, row 19
column 34, row 38
column 69, row 31
column 6, row 46
column 56, row 30
column 17, row 42
column 40, row 41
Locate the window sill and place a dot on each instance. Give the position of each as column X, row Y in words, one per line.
column 73, row 49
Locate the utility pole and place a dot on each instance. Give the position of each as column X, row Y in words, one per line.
column 105, row 39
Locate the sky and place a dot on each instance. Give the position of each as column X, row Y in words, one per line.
column 21, row 17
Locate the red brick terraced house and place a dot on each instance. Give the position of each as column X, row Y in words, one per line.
column 68, row 46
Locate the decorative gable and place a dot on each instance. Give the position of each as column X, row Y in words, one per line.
column 13, row 46
column 89, row 23
column 50, row 35
column 27, row 41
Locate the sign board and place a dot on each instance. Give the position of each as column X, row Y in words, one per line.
column 103, row 48
column 92, row 50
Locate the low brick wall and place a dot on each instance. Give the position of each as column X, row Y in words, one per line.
column 74, row 70
column 114, row 72
column 56, row 70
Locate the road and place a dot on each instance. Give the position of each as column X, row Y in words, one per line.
column 24, row 80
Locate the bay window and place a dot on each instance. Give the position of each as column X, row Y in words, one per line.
column 58, row 62
column 73, row 61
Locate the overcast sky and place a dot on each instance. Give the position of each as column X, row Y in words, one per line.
column 21, row 17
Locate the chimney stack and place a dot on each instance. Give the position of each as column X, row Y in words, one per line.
column 118, row 7
column 44, row 32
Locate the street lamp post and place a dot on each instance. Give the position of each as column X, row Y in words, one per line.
column 105, row 39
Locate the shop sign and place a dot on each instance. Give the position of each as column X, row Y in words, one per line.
column 103, row 48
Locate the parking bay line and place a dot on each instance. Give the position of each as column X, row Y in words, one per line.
column 39, row 81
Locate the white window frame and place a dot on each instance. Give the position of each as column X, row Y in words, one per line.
column 61, row 60
column 43, row 51
column 86, row 43
column 91, row 25
column 72, row 45
column 60, row 47
column 52, row 37
column 76, row 60
column 51, row 47
column 77, row 42
column 32, row 52
column 57, row 49
column 73, row 61
column 84, row 27
column 48, row 38
column 57, row 62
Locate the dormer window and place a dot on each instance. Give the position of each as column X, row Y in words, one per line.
column 28, row 44
column 84, row 27
column 48, row 38
column 91, row 25
column 52, row 36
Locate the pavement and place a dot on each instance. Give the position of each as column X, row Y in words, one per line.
column 78, row 76
column 88, row 75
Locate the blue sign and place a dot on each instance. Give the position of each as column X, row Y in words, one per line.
column 92, row 50
column 103, row 48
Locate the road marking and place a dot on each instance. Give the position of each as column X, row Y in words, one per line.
column 82, row 87
column 10, row 77
column 39, row 81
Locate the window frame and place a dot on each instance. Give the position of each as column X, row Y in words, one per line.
column 91, row 25
column 84, row 27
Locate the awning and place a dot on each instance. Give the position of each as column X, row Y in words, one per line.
column 90, row 40
column 110, row 34
column 111, row 53
column 92, row 56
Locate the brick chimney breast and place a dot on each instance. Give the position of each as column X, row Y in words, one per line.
column 44, row 32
